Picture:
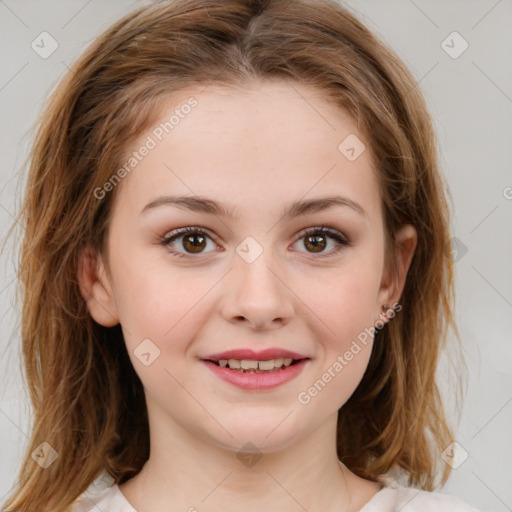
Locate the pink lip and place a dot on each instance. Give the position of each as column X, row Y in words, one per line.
column 257, row 381
column 263, row 355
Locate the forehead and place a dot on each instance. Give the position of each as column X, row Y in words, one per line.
column 271, row 142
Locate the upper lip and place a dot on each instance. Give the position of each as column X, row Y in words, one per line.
column 261, row 355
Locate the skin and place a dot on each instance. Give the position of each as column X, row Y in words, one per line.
column 255, row 150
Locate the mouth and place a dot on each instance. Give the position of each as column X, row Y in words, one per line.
column 256, row 370
column 257, row 375
column 256, row 366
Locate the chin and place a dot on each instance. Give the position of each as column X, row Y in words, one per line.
column 267, row 435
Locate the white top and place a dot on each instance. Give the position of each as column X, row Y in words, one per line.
column 393, row 497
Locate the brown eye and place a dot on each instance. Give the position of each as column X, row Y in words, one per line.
column 187, row 241
column 316, row 243
column 194, row 243
column 316, row 240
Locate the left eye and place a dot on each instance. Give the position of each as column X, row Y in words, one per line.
column 194, row 240
column 316, row 239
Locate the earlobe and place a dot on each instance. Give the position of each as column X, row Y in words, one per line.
column 96, row 288
column 393, row 285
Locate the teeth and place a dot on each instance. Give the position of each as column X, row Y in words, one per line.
column 250, row 364
column 265, row 365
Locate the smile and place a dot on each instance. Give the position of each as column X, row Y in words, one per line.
column 253, row 366
column 247, row 374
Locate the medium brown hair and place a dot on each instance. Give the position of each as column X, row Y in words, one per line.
column 88, row 401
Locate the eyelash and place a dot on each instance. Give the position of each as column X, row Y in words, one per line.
column 324, row 230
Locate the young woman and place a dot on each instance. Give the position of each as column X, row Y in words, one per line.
column 235, row 275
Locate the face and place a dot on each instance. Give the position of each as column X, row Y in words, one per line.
column 253, row 273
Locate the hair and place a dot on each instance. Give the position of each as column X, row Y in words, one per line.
column 87, row 399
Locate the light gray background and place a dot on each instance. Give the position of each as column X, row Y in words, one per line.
column 470, row 98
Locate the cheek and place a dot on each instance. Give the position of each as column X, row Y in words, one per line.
column 346, row 309
column 161, row 303
column 161, row 313
column 346, row 303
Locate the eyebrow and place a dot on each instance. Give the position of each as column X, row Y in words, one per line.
column 296, row 209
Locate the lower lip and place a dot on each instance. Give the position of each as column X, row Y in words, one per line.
column 257, row 381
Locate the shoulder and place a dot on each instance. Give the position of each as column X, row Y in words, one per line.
column 395, row 497
column 415, row 500
column 109, row 499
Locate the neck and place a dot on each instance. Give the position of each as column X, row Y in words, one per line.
column 187, row 473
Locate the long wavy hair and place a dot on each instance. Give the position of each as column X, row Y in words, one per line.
column 88, row 402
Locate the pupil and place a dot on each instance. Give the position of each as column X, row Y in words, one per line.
column 316, row 246
column 196, row 246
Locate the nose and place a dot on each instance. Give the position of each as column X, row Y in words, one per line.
column 257, row 294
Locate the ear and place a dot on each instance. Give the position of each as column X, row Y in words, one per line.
column 394, row 277
column 96, row 288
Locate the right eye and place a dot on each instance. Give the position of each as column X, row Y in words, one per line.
column 192, row 240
